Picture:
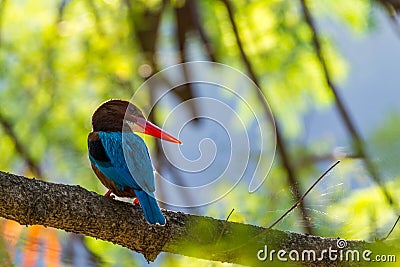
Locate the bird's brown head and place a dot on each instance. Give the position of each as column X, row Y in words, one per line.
column 110, row 116
column 119, row 115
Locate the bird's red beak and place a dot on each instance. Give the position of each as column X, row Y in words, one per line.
column 151, row 129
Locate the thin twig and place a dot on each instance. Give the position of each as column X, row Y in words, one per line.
column 281, row 147
column 224, row 226
column 302, row 197
column 263, row 232
column 391, row 230
column 355, row 136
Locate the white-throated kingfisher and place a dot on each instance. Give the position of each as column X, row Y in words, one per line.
column 113, row 126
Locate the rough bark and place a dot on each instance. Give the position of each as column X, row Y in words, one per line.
column 75, row 209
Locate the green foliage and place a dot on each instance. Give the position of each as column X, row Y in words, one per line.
column 278, row 43
column 365, row 214
column 385, row 144
column 341, row 10
column 116, row 256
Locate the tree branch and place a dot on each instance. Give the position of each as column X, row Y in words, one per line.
column 74, row 209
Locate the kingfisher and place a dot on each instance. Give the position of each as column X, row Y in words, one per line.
column 114, row 124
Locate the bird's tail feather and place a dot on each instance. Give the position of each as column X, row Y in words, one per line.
column 151, row 210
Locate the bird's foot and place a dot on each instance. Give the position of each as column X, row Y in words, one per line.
column 136, row 201
column 108, row 194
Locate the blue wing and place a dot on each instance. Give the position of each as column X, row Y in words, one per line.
column 138, row 161
column 135, row 170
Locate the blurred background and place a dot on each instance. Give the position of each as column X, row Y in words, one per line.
column 328, row 70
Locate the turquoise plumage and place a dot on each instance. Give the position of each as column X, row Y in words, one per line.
column 135, row 172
